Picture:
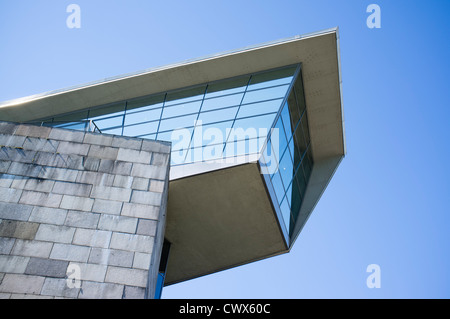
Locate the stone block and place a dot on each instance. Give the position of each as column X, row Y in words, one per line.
column 48, row 215
column 126, row 276
column 75, row 189
column 127, row 142
column 77, row 203
column 111, row 257
column 103, row 152
column 55, row 233
column 134, row 156
column 140, row 211
column 81, row 219
column 118, row 223
column 148, row 171
column 146, row 198
column 98, row 139
column 22, row 284
column 129, row 242
column 58, row 287
column 33, row 131
column 70, row 252
column 32, row 248
column 18, row 229
column 96, row 290
column 13, row 264
column 111, row 193
column 147, row 227
column 47, row 267
column 15, row 211
column 91, row 272
column 66, row 135
column 92, row 238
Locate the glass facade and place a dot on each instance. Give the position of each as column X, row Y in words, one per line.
column 259, row 114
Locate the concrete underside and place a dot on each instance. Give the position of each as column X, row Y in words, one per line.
column 219, row 220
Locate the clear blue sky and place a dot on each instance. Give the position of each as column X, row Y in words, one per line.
column 388, row 203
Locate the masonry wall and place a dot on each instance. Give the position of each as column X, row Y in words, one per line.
column 82, row 215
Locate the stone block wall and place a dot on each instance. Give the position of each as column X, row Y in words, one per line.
column 82, row 215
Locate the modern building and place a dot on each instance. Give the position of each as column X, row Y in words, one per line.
column 116, row 188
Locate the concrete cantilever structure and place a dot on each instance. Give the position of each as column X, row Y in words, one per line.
column 220, row 215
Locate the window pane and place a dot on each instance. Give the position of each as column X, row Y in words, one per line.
column 178, row 122
column 181, row 109
column 278, row 186
column 286, row 168
column 140, row 117
column 286, row 212
column 265, row 94
column 223, row 101
column 141, row 129
column 300, row 143
column 111, row 122
column 253, row 109
column 219, row 115
column 255, row 126
column 115, row 131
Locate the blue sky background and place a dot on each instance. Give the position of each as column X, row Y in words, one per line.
column 388, row 203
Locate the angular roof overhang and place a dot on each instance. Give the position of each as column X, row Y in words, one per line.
column 207, row 201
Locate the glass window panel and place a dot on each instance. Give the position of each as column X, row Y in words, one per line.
column 186, row 95
column 219, row 115
column 227, row 86
column 140, row 117
column 181, row 109
column 211, row 134
column 269, row 159
column 178, row 122
column 289, row 194
column 301, row 182
column 255, row 126
column 278, row 186
column 299, row 139
column 286, row 168
column 79, row 126
column 307, row 167
column 265, row 94
column 146, row 103
column 108, row 111
column 243, row 147
column 286, row 212
column 286, row 121
column 271, row 78
column 222, row 101
column 253, row 109
column 141, row 129
column 293, row 109
column 111, row 122
column 296, row 200
column 281, row 144
column 305, row 127
column 115, row 131
column 180, row 139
